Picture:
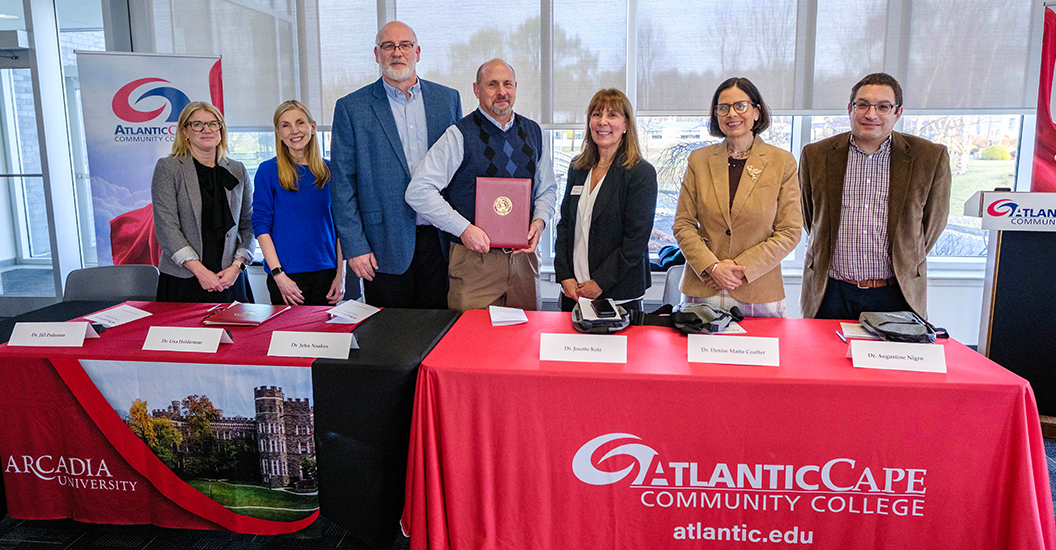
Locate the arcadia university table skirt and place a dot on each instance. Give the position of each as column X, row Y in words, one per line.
column 108, row 433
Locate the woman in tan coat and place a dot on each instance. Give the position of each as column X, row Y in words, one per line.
column 738, row 213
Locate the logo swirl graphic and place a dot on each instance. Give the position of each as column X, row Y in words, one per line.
column 503, row 206
column 1003, row 207
column 583, row 463
column 123, row 104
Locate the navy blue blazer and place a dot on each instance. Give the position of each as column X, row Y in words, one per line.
column 369, row 172
column 622, row 220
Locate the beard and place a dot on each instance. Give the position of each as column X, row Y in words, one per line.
column 398, row 73
column 503, row 111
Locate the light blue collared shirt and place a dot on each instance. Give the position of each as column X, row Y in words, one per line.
column 439, row 166
column 409, row 113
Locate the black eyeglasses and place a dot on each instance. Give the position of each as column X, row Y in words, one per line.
column 741, row 107
column 199, row 126
column 389, row 47
column 881, row 108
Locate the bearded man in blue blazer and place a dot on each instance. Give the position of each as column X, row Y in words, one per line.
column 381, row 132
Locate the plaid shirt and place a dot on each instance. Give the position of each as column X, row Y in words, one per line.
column 862, row 250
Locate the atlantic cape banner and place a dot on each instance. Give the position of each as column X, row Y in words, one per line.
column 1045, row 141
column 131, row 103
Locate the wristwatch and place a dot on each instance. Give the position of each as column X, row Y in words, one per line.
column 243, row 265
column 277, row 270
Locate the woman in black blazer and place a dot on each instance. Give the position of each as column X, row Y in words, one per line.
column 602, row 248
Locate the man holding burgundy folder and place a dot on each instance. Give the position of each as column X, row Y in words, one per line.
column 480, row 165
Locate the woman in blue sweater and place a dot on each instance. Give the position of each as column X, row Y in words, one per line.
column 291, row 215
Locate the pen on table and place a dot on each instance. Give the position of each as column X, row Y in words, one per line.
column 840, row 334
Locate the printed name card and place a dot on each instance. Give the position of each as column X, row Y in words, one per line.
column 866, row 354
column 199, row 339
column 328, row 345
column 119, row 315
column 734, row 350
column 51, row 335
column 583, row 348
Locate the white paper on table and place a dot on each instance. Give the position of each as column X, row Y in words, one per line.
column 119, row 315
column 856, row 330
column 506, row 316
column 897, row 356
column 353, row 310
column 734, row 350
column 51, row 335
column 585, row 348
column 326, row 345
column 197, row 339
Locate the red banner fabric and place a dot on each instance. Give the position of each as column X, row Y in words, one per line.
column 510, row 452
column 65, row 452
column 132, row 238
column 1044, row 179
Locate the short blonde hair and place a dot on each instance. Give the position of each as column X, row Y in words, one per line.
column 182, row 146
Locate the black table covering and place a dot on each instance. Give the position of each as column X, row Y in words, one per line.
column 363, row 420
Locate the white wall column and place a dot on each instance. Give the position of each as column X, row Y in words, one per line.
column 54, row 134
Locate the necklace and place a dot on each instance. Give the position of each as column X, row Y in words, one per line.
column 739, row 155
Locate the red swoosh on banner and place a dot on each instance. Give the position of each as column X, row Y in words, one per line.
column 122, row 104
column 141, row 459
column 216, row 86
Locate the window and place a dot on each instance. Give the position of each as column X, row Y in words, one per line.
column 956, row 61
column 983, row 151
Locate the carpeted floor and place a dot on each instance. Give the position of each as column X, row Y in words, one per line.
column 28, row 281
column 65, row 534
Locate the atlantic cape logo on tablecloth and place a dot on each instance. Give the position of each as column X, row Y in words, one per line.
column 829, row 486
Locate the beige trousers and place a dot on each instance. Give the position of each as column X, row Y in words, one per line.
column 497, row 278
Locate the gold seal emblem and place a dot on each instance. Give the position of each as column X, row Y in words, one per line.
column 503, row 206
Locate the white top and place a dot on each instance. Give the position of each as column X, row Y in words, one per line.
column 584, row 212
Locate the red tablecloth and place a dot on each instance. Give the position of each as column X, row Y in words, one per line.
column 66, row 453
column 511, row 452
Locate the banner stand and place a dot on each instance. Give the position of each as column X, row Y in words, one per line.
column 1018, row 303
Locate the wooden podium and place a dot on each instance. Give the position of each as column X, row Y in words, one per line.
column 1019, row 294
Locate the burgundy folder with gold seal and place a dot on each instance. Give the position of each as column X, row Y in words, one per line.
column 502, row 210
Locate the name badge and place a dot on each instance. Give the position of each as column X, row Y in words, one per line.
column 328, row 345
column 51, row 335
column 199, row 339
column 583, row 348
column 577, row 189
column 758, row 351
column 866, row 354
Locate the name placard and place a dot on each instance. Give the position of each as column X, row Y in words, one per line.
column 734, row 350
column 328, row 345
column 51, row 335
column 583, row 348
column 866, row 354
column 198, row 339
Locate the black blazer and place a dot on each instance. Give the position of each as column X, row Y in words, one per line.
column 622, row 220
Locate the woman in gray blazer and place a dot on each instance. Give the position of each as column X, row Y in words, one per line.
column 202, row 213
